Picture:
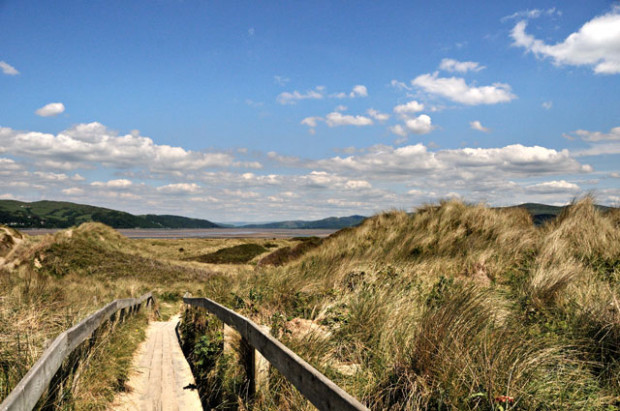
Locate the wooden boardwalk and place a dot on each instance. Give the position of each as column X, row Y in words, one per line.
column 160, row 374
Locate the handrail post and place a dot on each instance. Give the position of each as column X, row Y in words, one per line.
column 248, row 360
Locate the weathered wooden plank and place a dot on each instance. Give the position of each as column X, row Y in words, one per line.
column 28, row 391
column 317, row 388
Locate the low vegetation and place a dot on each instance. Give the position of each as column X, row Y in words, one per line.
column 453, row 307
column 238, row 254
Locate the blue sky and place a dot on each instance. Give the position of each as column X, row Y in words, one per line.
column 254, row 111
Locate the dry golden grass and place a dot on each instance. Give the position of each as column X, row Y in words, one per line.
column 457, row 305
column 453, row 307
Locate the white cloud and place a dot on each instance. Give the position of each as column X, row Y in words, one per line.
column 517, row 159
column 292, row 98
column 336, row 119
column 531, row 14
column 50, row 110
column 553, row 187
column 409, row 108
column 482, row 163
column 547, row 105
column 8, row 69
column 73, row 191
column 117, row 184
column 419, row 125
column 399, row 85
column 8, row 164
column 359, row 91
column 49, row 176
column 357, row 184
column 319, row 93
column 399, row 130
column 455, row 89
column 377, row 115
column 598, row 150
column 241, row 193
column 595, row 136
column 460, row 66
column 597, row 43
column 179, row 188
column 476, row 125
column 86, row 145
column 311, row 121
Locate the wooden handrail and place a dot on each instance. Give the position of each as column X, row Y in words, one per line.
column 316, row 387
column 28, row 391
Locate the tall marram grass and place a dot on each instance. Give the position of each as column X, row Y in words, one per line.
column 455, row 306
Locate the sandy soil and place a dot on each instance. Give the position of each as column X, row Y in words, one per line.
column 160, row 374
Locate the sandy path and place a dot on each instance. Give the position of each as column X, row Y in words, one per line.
column 159, row 373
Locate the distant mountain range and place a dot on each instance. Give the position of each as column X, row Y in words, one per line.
column 330, row 222
column 62, row 214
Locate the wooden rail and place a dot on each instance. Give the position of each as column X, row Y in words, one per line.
column 29, row 390
column 316, row 387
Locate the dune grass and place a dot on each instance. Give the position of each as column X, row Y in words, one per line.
column 456, row 306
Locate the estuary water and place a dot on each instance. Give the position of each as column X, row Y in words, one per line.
column 206, row 232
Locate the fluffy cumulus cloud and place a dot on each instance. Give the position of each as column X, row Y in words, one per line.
column 399, row 130
column 419, row 125
column 403, row 162
column 88, row 145
column 8, row 69
column 460, row 66
column 293, row 97
column 377, row 115
column 457, row 90
column 596, row 43
column 336, row 119
column 411, row 107
column 596, row 136
column 179, row 188
column 50, row 110
column 476, row 125
column 114, row 184
column 357, row 91
column 553, row 187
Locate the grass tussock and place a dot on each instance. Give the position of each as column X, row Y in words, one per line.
column 453, row 307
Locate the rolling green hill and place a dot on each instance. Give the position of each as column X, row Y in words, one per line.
column 62, row 214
